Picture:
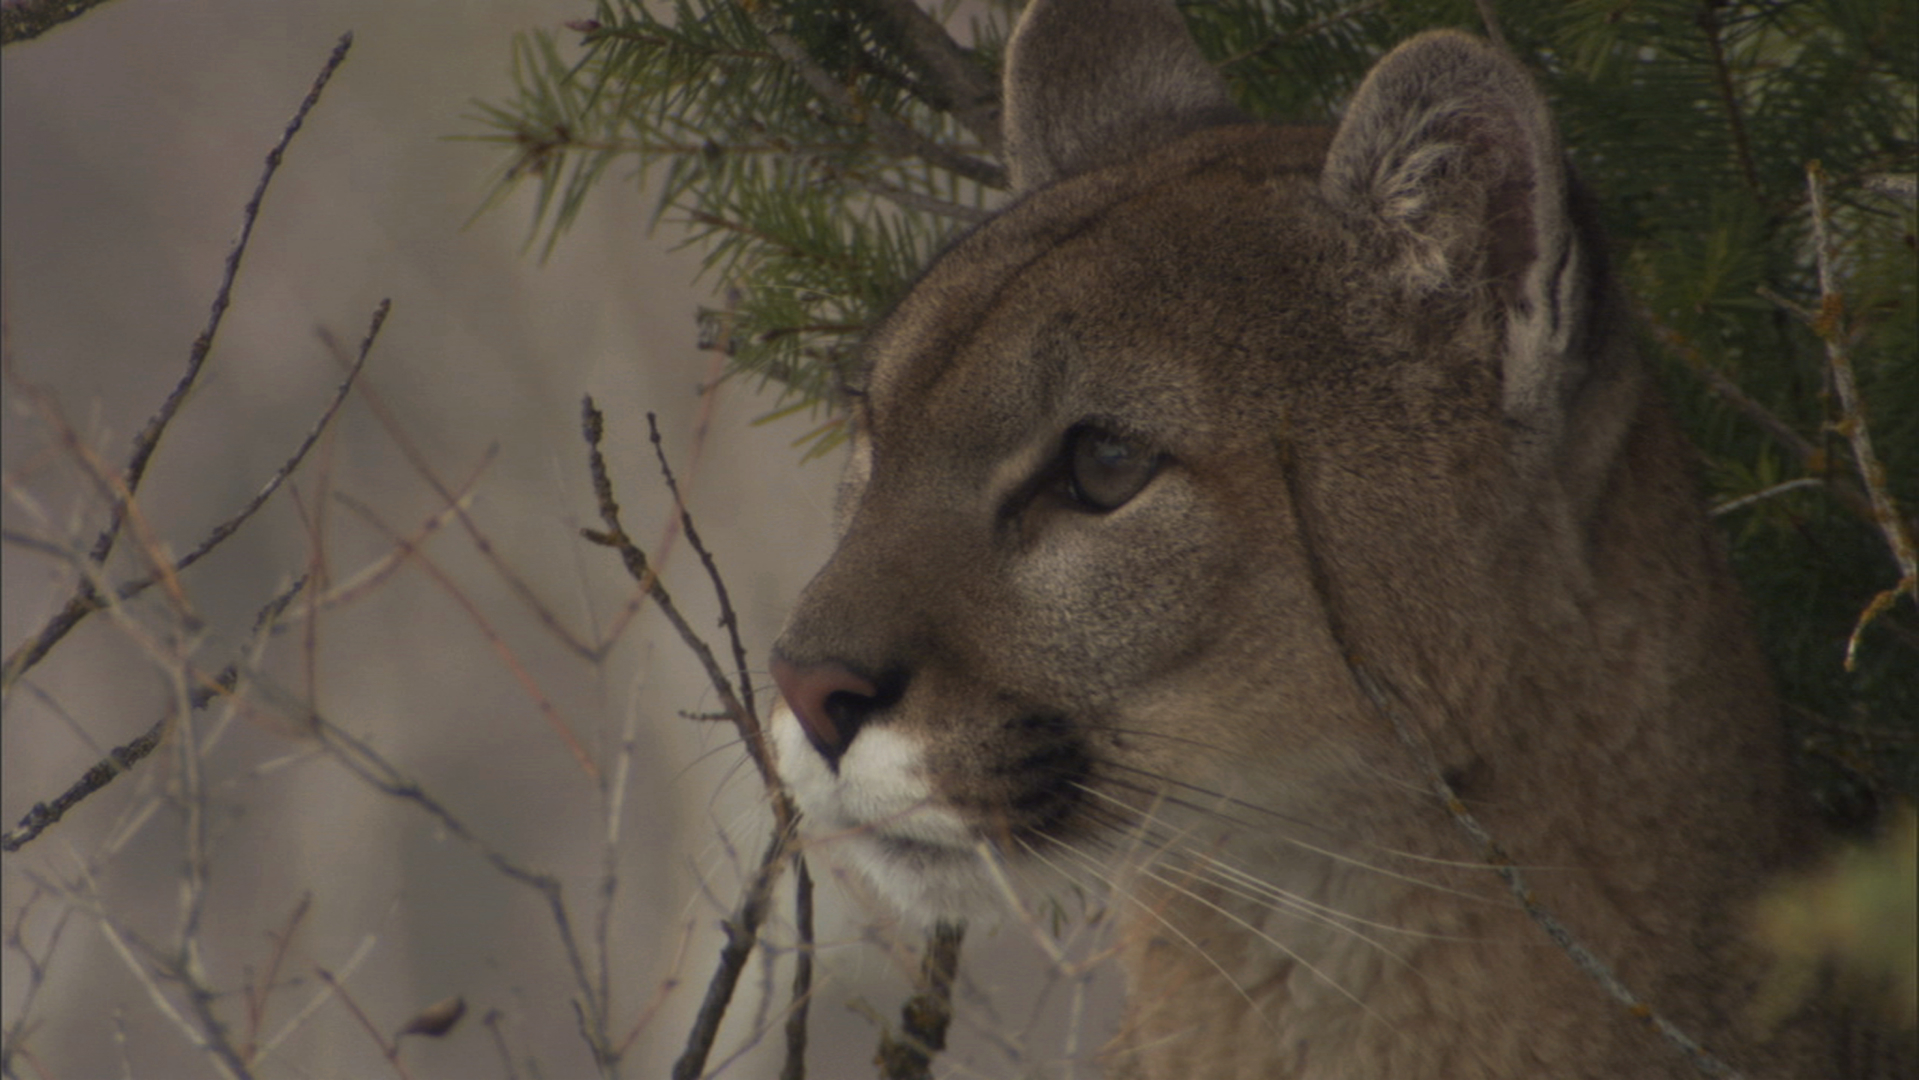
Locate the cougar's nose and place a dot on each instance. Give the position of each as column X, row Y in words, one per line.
column 831, row 701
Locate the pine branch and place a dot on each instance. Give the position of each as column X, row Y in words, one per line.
column 970, row 94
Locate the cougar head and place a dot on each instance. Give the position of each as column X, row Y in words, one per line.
column 1144, row 462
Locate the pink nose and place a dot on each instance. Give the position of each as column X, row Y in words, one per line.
column 830, row 700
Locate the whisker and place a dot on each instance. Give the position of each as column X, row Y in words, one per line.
column 1325, row 852
column 1096, row 871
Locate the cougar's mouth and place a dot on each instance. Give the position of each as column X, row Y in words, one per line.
column 927, row 844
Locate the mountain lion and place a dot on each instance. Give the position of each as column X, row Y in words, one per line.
column 1239, row 512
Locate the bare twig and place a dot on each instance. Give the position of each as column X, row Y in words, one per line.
column 743, row 931
column 795, row 1065
column 258, row 993
column 149, row 438
column 728, row 620
column 1831, row 326
column 86, row 598
column 492, row 1023
column 225, row 1060
column 36, row 971
column 1806, row 455
column 1728, row 506
column 375, row 771
column 424, row 470
column 925, row 1016
column 1490, row 21
column 743, row 926
column 388, row 1050
column 593, row 426
column 539, row 696
column 1386, row 701
column 90, row 597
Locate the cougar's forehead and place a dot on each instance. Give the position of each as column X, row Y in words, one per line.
column 1102, row 295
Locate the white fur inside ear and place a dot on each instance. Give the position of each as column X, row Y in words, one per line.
column 878, row 815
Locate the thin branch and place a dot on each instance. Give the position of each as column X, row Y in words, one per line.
column 88, row 598
column 1806, row 455
column 961, row 88
column 1853, row 425
column 895, row 136
column 480, row 622
column 122, row 758
column 743, row 931
column 1729, row 99
column 225, row 1061
column 1721, row 509
column 423, row 469
column 1490, row 20
column 925, row 1016
column 795, row 1065
column 149, row 438
column 390, row 1051
column 257, row 995
column 375, row 771
column 1385, row 701
column 593, row 427
column 728, row 620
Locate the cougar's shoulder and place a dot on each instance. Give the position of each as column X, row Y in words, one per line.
column 1232, row 487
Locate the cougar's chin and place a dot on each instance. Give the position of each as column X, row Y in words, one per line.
column 877, row 814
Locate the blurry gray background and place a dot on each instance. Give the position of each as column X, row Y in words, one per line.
column 132, row 138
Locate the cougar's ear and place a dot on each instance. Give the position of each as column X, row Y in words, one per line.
column 1091, row 83
column 1447, row 161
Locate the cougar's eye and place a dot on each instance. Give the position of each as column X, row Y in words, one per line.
column 1105, row 470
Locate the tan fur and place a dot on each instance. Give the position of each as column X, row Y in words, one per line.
column 1402, row 428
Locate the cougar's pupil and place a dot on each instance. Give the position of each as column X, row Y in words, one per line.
column 1106, row 470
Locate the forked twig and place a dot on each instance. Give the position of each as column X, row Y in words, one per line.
column 1830, row 325
column 743, row 925
column 122, row 758
column 728, row 620
column 86, row 599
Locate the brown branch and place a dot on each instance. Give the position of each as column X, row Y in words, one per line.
column 743, row 931
column 593, row 427
column 375, row 771
column 24, row 20
column 256, row 995
column 423, row 469
column 795, row 1065
column 390, row 1051
column 1729, row 100
column 122, row 758
column 925, row 1016
column 960, row 87
column 728, row 620
column 1853, row 417
column 480, row 622
column 893, row 135
column 1386, row 701
column 743, row 926
column 149, row 438
column 88, row 599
